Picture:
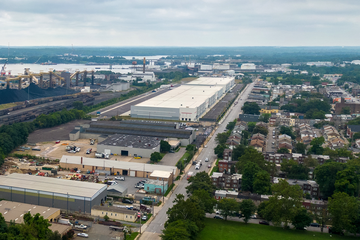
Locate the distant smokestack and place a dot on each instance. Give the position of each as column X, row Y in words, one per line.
column 144, row 66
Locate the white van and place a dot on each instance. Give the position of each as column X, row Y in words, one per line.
column 197, row 167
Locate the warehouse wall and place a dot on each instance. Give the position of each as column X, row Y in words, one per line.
column 48, row 199
column 132, row 151
column 155, row 112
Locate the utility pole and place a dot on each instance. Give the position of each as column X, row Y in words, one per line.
column 163, row 191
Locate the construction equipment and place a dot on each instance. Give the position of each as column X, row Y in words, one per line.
column 2, row 73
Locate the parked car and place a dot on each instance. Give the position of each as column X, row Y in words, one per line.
column 314, row 225
column 206, row 159
column 126, row 200
column 144, row 218
column 57, row 141
column 218, row 217
column 81, row 226
column 78, row 171
column 120, row 178
column 209, row 166
column 253, row 216
column 85, row 235
column 171, row 151
column 264, row 223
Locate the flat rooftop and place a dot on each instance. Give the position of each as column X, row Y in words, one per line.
column 211, row 81
column 51, row 185
column 115, row 164
column 15, row 211
column 124, row 140
column 185, row 96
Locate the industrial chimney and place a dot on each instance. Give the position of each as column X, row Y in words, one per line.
column 144, row 65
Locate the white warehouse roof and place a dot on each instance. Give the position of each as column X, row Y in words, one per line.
column 183, row 96
column 116, row 164
column 51, row 185
column 211, row 81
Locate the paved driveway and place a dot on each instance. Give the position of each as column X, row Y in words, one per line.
column 170, row 159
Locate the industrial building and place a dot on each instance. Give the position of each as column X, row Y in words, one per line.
column 52, row 192
column 112, row 167
column 103, row 129
column 14, row 211
column 130, row 145
column 186, row 103
column 114, row 213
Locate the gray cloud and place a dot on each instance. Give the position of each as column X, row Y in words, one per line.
column 180, row 23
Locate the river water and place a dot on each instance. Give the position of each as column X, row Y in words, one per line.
column 17, row 69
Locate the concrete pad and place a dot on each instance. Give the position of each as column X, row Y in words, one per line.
column 149, row 236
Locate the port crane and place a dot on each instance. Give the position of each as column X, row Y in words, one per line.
column 84, row 75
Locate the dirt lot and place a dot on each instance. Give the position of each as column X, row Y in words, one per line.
column 56, row 133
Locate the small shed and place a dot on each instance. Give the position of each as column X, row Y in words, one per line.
column 117, row 190
column 156, row 186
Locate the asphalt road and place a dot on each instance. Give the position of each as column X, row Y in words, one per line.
column 157, row 225
column 125, row 106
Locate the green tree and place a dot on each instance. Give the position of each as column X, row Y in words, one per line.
column 186, row 210
column 260, row 129
column 261, row 212
column 316, row 145
column 222, row 137
column 346, row 110
column 206, row 200
column 322, row 217
column 230, row 126
column 265, row 117
column 288, row 131
column 54, row 236
column 164, row 146
column 228, row 207
column 106, row 218
column 79, row 105
column 176, row 231
column 325, row 177
column 251, row 155
column 155, row 157
column 282, row 150
column 237, row 152
column 302, row 219
column 251, row 126
column 219, row 150
column 180, row 165
column 284, row 204
column 262, row 183
column 247, row 208
column 300, row 148
column 356, row 136
column 248, row 177
column 200, row 181
column 251, row 108
column 344, row 211
column 347, row 181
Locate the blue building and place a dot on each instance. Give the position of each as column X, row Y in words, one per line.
column 156, row 186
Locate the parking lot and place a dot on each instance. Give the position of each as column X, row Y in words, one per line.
column 170, row 159
column 129, row 183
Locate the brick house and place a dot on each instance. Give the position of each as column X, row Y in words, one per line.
column 225, row 166
column 352, row 129
column 227, row 154
column 226, row 181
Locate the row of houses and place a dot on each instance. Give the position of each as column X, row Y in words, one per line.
column 258, row 141
column 332, row 137
column 307, row 133
column 284, row 141
column 299, row 158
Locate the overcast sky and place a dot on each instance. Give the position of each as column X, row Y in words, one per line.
column 180, row 22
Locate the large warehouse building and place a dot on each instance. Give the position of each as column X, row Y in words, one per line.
column 52, row 192
column 110, row 167
column 130, row 145
column 103, row 129
column 186, row 103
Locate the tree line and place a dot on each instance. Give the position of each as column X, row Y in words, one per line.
column 12, row 136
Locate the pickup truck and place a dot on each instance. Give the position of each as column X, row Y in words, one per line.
column 81, row 226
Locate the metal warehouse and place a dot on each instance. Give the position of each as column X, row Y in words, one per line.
column 111, row 167
column 186, row 103
column 130, row 145
column 226, row 83
column 103, row 129
column 52, row 192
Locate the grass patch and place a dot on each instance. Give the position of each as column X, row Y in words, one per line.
column 169, row 189
column 178, row 149
column 216, row 168
column 185, row 156
column 132, row 236
column 7, row 105
column 162, row 155
column 218, row 229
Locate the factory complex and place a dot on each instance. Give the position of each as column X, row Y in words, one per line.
column 54, row 192
column 187, row 102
